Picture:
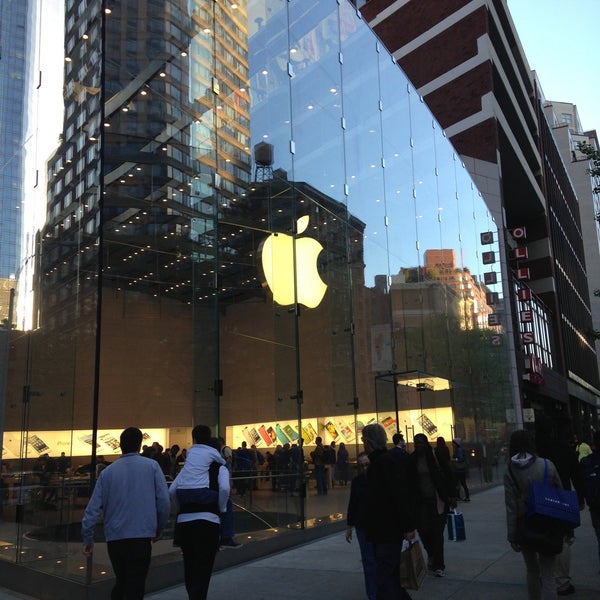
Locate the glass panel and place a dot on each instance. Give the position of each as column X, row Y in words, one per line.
column 218, row 162
column 52, row 379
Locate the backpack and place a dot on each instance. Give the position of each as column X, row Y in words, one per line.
column 198, row 500
column 590, row 466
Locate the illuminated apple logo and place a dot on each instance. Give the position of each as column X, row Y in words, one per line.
column 277, row 255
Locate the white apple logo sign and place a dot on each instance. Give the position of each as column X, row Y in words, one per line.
column 277, row 255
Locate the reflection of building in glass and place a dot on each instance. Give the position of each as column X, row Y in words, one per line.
column 441, row 331
column 441, row 264
column 493, row 112
column 13, row 33
column 152, row 300
column 13, row 112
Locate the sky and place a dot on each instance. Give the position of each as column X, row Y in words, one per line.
column 561, row 42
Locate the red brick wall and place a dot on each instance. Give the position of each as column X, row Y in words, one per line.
column 479, row 141
column 448, row 52
column 411, row 20
column 461, row 97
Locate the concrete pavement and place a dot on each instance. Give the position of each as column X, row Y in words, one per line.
column 482, row 567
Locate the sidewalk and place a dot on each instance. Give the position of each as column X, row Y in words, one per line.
column 484, row 566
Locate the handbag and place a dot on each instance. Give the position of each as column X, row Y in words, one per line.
column 548, row 505
column 413, row 568
column 456, row 526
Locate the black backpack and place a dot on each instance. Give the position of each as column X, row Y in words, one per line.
column 590, row 466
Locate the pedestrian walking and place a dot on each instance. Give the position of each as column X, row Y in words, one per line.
column 553, row 443
column 390, row 510
column 357, row 518
column 200, row 492
column 133, row 497
column 436, row 495
column 459, row 466
column 591, row 481
column 539, row 548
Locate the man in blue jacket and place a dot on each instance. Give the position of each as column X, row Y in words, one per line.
column 133, row 496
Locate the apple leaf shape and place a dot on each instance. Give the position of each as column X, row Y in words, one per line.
column 303, row 224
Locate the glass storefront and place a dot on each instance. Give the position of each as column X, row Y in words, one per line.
column 252, row 222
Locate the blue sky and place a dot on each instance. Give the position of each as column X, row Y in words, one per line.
column 561, row 41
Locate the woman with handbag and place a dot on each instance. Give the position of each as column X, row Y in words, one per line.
column 539, row 546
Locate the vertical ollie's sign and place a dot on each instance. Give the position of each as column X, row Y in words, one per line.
column 277, row 257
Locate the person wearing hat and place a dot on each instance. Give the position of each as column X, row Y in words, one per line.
column 459, row 466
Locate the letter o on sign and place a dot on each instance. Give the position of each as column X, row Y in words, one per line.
column 519, row 233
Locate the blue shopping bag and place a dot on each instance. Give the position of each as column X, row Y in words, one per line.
column 456, row 527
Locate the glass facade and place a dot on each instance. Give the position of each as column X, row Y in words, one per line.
column 253, row 222
column 13, row 44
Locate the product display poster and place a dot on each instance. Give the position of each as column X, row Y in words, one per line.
column 72, row 443
column 432, row 422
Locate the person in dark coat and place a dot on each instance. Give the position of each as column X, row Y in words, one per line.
column 442, row 453
column 591, row 468
column 524, row 467
column 342, row 464
column 436, row 491
column 357, row 517
column 390, row 510
column 565, row 459
column 399, row 449
column 459, row 466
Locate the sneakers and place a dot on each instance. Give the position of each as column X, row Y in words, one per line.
column 439, row 573
column 230, row 543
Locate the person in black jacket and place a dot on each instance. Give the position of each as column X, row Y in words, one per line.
column 558, row 449
column 591, row 475
column 436, row 494
column 390, row 510
column 356, row 517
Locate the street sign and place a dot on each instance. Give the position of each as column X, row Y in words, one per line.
column 528, row 415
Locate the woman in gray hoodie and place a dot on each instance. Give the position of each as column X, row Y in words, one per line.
column 539, row 555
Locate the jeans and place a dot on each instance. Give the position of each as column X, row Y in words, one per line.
column 320, row 477
column 130, row 561
column 540, row 575
column 199, row 542
column 368, row 561
column 387, row 561
column 227, row 524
